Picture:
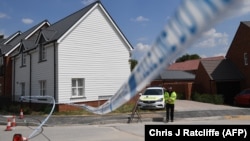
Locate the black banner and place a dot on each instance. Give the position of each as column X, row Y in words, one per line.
column 197, row 132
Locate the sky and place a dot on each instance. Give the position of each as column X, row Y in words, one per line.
column 140, row 21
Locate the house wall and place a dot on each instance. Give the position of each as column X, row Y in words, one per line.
column 21, row 75
column 239, row 46
column 43, row 71
column 203, row 84
column 6, row 78
column 95, row 51
column 38, row 71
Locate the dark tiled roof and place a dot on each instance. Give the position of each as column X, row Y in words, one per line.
column 175, row 75
column 4, row 44
column 13, row 43
column 221, row 70
column 56, row 30
column 191, row 64
column 12, row 37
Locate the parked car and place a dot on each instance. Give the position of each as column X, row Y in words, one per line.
column 242, row 98
column 152, row 98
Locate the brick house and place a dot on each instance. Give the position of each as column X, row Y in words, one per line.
column 239, row 52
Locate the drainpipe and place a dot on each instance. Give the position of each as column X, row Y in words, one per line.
column 14, row 78
column 55, row 72
column 4, row 75
column 30, row 77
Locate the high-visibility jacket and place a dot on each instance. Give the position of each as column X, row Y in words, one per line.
column 170, row 97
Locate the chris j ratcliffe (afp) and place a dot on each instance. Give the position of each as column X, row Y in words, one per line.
column 184, row 132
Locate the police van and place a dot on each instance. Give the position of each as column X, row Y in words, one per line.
column 152, row 98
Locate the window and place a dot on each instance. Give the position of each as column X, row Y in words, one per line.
column 23, row 59
column 42, row 52
column 245, row 59
column 42, row 87
column 77, row 87
column 22, row 85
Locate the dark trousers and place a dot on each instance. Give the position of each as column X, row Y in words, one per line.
column 170, row 112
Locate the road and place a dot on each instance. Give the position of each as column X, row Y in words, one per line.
column 112, row 132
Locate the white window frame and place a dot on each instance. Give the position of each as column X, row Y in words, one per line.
column 245, row 59
column 23, row 59
column 42, row 52
column 77, row 87
column 43, row 87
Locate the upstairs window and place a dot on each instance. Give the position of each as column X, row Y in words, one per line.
column 23, row 62
column 245, row 59
column 42, row 53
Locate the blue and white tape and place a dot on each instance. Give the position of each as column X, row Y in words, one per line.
column 42, row 99
column 191, row 19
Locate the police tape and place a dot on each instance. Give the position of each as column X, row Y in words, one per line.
column 41, row 99
column 191, row 19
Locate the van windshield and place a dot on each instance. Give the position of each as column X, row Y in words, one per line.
column 153, row 92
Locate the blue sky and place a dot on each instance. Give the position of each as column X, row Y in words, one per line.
column 140, row 21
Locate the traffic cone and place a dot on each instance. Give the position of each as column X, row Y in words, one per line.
column 13, row 123
column 19, row 137
column 21, row 114
column 8, row 128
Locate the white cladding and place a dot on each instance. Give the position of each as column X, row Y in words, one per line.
column 96, row 52
column 21, row 74
column 93, row 50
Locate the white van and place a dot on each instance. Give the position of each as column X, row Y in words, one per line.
column 152, row 98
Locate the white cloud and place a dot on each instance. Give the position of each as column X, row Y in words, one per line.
column 139, row 50
column 27, row 21
column 3, row 15
column 212, row 38
column 87, row 2
column 140, row 19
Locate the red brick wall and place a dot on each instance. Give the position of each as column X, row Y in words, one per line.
column 239, row 46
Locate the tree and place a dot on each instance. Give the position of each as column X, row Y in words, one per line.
column 133, row 63
column 188, row 57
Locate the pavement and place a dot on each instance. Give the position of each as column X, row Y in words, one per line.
column 183, row 109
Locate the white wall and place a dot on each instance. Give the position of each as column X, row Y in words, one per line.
column 96, row 52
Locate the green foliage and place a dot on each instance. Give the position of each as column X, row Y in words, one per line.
column 133, row 63
column 124, row 108
column 180, row 96
column 208, row 98
column 15, row 108
column 187, row 57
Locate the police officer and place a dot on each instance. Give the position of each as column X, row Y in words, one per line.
column 170, row 97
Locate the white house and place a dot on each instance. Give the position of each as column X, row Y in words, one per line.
column 81, row 58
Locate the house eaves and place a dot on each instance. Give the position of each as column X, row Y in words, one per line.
column 222, row 70
column 65, row 26
column 24, row 36
column 58, row 30
column 11, row 37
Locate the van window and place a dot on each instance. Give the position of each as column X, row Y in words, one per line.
column 153, row 92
